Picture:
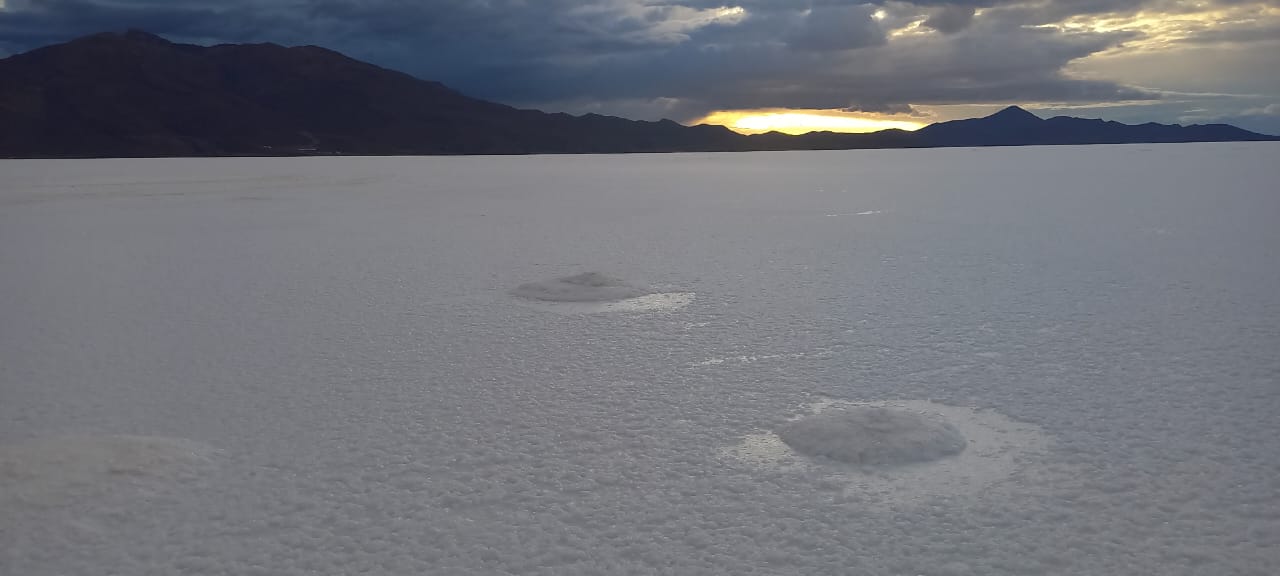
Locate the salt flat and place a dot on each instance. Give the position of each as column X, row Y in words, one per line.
column 562, row 365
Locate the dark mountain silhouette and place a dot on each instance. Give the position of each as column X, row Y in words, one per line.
column 135, row 94
column 1014, row 126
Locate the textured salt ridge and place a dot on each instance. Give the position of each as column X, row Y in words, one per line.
column 873, row 436
column 586, row 287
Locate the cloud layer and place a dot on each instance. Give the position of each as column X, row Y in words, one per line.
column 682, row 58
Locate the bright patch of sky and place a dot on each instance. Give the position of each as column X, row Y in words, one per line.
column 800, row 121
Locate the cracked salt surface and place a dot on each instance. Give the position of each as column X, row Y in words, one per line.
column 337, row 380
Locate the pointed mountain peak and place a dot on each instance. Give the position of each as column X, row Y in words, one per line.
column 1014, row 112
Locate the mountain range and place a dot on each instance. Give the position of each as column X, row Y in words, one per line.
column 134, row 94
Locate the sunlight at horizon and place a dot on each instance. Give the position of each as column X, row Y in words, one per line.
column 802, row 121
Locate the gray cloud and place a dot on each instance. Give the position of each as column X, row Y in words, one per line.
column 674, row 58
column 950, row 18
column 983, row 63
column 834, row 28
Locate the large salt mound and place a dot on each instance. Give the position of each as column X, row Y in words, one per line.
column 587, row 287
column 873, row 436
column 994, row 448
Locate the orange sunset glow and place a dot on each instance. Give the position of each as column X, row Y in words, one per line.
column 800, row 121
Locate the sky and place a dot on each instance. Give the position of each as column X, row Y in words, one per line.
column 758, row 65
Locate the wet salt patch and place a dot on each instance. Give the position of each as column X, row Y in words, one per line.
column 996, row 448
column 51, row 471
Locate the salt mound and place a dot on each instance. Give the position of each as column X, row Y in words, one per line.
column 587, row 287
column 873, row 436
column 994, row 448
column 50, row 470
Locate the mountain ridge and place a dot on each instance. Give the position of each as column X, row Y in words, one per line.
column 136, row 94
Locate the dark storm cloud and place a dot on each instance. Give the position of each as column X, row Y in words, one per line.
column 685, row 56
column 26, row 24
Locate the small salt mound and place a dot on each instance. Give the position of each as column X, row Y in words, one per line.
column 873, row 436
column 587, row 287
column 52, row 470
